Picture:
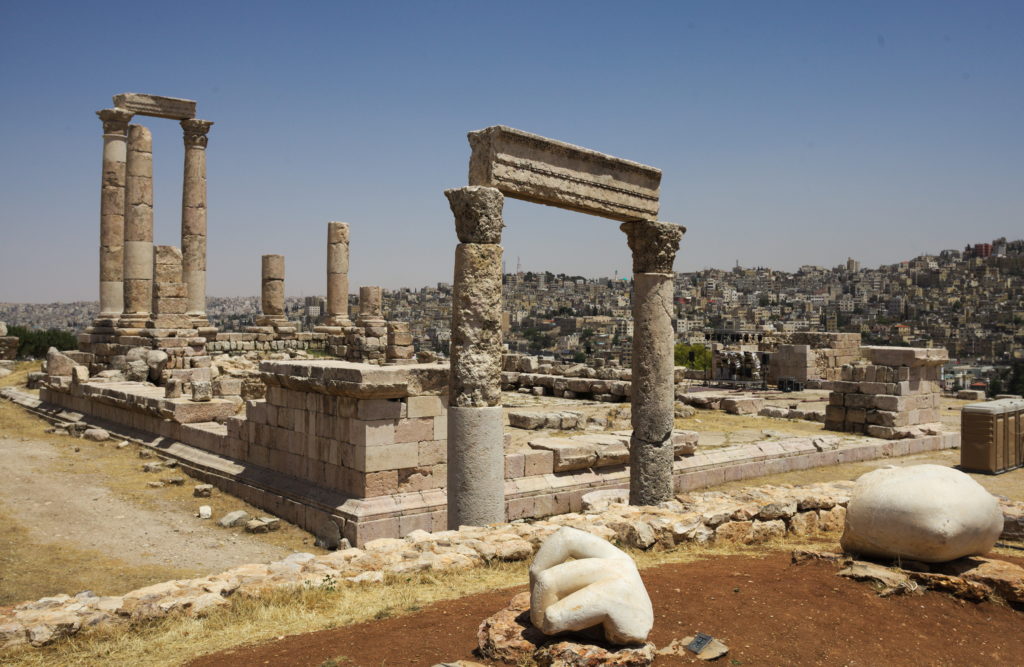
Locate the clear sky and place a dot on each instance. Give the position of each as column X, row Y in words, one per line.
column 788, row 132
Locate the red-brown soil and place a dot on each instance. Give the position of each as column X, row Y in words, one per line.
column 766, row 610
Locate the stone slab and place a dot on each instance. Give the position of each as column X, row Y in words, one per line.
column 156, row 105
column 343, row 378
column 545, row 171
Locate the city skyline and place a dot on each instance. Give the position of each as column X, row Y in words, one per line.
column 802, row 136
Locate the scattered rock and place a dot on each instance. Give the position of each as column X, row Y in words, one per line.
column 96, row 434
column 236, row 518
column 890, row 581
column 1005, row 578
column 155, row 485
column 712, row 650
column 175, row 481
column 205, row 512
column 255, row 526
column 509, row 636
column 576, row 654
column 155, row 466
column 122, row 444
column 202, row 490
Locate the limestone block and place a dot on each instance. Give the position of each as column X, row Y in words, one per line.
column 927, row 513
column 578, row 581
column 202, row 390
column 534, row 168
column 742, row 406
column 58, row 363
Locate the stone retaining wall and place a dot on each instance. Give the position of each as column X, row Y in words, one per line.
column 748, row 516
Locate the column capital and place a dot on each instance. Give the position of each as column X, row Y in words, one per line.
column 654, row 244
column 195, row 131
column 477, row 212
column 115, row 121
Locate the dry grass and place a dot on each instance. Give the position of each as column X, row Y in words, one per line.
column 177, row 639
column 19, row 377
column 30, row 569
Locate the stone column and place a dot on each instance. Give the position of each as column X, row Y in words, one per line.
column 138, row 229
column 371, row 306
column 476, row 458
column 272, row 275
column 654, row 246
column 115, row 136
column 337, row 275
column 193, row 218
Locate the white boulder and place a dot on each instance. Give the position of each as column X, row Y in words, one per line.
column 927, row 513
column 578, row 581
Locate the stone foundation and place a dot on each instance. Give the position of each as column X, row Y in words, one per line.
column 358, row 451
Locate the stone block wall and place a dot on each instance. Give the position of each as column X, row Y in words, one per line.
column 810, row 355
column 373, row 343
column 898, row 389
column 359, row 432
column 241, row 342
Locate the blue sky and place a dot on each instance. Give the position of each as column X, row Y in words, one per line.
column 788, row 132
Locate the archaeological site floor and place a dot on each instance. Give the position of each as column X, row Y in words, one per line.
column 766, row 610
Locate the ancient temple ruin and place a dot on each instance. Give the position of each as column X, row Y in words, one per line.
column 373, row 444
column 510, row 162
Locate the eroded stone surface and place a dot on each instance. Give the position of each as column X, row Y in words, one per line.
column 927, row 513
column 535, row 168
column 478, row 213
column 578, row 581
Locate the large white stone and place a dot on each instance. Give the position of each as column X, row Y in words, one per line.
column 578, row 581
column 927, row 513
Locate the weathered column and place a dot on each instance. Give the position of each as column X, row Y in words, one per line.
column 337, row 275
column 476, row 460
column 371, row 306
column 138, row 228
column 115, row 136
column 272, row 276
column 654, row 246
column 193, row 217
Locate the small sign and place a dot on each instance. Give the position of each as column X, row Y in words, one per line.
column 700, row 641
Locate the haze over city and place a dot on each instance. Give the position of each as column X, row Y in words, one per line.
column 790, row 134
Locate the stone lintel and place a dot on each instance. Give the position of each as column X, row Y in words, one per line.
column 156, row 105
column 545, row 171
column 343, row 378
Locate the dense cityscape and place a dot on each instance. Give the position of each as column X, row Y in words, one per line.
column 969, row 301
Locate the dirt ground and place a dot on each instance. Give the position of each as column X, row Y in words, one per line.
column 80, row 515
column 766, row 610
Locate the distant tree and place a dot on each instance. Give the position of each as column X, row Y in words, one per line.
column 693, row 356
column 1015, row 385
column 995, row 386
column 34, row 343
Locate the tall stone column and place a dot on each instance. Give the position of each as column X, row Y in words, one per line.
column 115, row 137
column 138, row 229
column 476, row 460
column 193, row 218
column 654, row 246
column 337, row 275
column 272, row 278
